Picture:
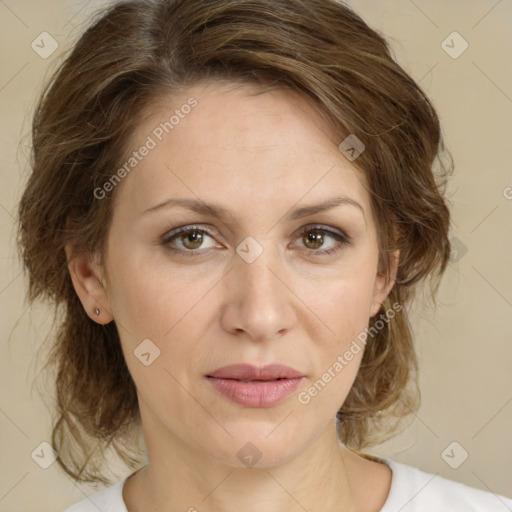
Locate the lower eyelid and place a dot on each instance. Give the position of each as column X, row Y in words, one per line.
column 341, row 240
column 340, row 237
column 167, row 240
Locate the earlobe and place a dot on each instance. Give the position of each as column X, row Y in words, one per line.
column 383, row 286
column 88, row 282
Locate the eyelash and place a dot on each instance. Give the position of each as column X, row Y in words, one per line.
column 342, row 238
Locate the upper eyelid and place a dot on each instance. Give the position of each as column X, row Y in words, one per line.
column 211, row 231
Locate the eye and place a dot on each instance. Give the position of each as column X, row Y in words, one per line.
column 191, row 238
column 314, row 237
column 187, row 240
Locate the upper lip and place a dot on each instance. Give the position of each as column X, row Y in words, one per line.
column 250, row 372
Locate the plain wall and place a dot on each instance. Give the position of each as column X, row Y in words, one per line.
column 465, row 348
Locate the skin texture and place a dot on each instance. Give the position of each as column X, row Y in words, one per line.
column 258, row 157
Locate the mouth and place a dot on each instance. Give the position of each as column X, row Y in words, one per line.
column 253, row 381
column 251, row 373
column 252, row 386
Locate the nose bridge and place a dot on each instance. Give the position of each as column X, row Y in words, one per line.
column 257, row 270
column 258, row 301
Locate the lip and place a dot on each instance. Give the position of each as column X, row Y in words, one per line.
column 251, row 372
column 253, row 386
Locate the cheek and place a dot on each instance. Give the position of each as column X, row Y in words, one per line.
column 342, row 301
column 174, row 309
column 337, row 355
column 158, row 304
column 345, row 311
column 343, row 305
column 152, row 296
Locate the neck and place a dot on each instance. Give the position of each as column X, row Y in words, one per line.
column 179, row 477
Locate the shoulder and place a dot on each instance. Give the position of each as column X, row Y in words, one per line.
column 108, row 500
column 413, row 490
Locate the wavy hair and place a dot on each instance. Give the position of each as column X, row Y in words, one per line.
column 136, row 53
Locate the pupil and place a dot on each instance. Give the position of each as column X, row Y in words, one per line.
column 316, row 239
column 196, row 237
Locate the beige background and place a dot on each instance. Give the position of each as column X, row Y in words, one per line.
column 465, row 347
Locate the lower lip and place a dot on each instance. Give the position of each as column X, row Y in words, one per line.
column 256, row 394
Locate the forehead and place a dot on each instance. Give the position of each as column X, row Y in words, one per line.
column 233, row 141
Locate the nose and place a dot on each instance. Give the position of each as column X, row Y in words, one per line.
column 258, row 300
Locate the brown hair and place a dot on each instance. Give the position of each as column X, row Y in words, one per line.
column 137, row 52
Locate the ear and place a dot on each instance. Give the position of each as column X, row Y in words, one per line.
column 90, row 286
column 383, row 286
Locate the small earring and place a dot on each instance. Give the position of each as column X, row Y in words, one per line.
column 96, row 311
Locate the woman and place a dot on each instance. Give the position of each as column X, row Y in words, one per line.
column 234, row 202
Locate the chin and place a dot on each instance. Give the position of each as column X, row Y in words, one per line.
column 268, row 446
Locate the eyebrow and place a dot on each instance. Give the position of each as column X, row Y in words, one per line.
column 219, row 212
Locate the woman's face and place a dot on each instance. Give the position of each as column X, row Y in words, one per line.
column 262, row 284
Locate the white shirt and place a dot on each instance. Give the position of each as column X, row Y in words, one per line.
column 412, row 490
